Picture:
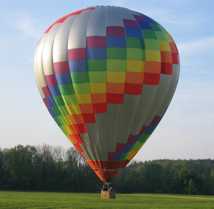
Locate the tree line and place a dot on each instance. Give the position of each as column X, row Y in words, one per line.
column 47, row 168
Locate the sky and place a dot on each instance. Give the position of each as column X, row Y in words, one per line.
column 185, row 132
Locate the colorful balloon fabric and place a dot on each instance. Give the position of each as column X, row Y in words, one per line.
column 107, row 75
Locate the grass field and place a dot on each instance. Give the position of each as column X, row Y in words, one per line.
column 33, row 200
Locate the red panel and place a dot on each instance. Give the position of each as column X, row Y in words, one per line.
column 61, row 67
column 133, row 88
column 115, row 31
column 115, row 98
column 131, row 139
column 166, row 68
column 130, row 23
column 45, row 100
column 62, row 19
column 89, row 118
column 77, row 54
column 100, row 108
column 139, row 17
column 156, row 119
column 96, row 41
column 51, row 80
column 166, row 57
column 76, row 139
column 173, row 47
column 46, row 91
column 175, row 58
column 80, row 128
column 119, row 147
column 151, row 78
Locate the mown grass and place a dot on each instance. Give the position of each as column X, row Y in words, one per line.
column 42, row 200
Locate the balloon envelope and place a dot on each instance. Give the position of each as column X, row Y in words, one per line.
column 107, row 75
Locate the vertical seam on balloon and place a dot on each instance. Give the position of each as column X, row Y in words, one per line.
column 67, row 109
column 121, row 154
column 66, row 113
column 93, row 151
column 61, row 92
column 143, row 47
column 48, row 86
column 75, row 93
column 156, row 86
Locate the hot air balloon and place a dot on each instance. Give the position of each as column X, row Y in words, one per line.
column 107, row 75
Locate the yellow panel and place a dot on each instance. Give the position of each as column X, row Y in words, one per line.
column 98, row 87
column 68, row 130
column 135, row 66
column 132, row 154
column 164, row 46
column 153, row 55
column 84, row 98
column 75, row 108
column 116, row 77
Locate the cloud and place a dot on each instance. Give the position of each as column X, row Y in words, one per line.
column 200, row 46
column 28, row 26
column 196, row 58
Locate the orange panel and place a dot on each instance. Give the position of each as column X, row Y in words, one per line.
column 98, row 98
column 115, row 88
column 152, row 67
column 86, row 108
column 134, row 77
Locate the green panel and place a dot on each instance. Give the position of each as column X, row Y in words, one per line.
column 63, row 110
column 59, row 100
column 143, row 138
column 156, row 27
column 161, row 35
column 152, row 44
column 135, row 53
column 82, row 88
column 80, row 77
column 116, row 53
column 149, row 34
column 97, row 77
column 68, row 99
column 116, row 65
column 55, row 110
column 66, row 89
column 97, row 65
column 74, row 99
column 133, row 43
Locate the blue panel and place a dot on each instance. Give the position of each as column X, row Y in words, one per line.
column 49, row 103
column 77, row 65
column 145, row 25
column 150, row 129
column 127, row 148
column 133, row 32
column 123, row 151
column 96, row 53
column 54, row 90
column 113, row 41
column 63, row 78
